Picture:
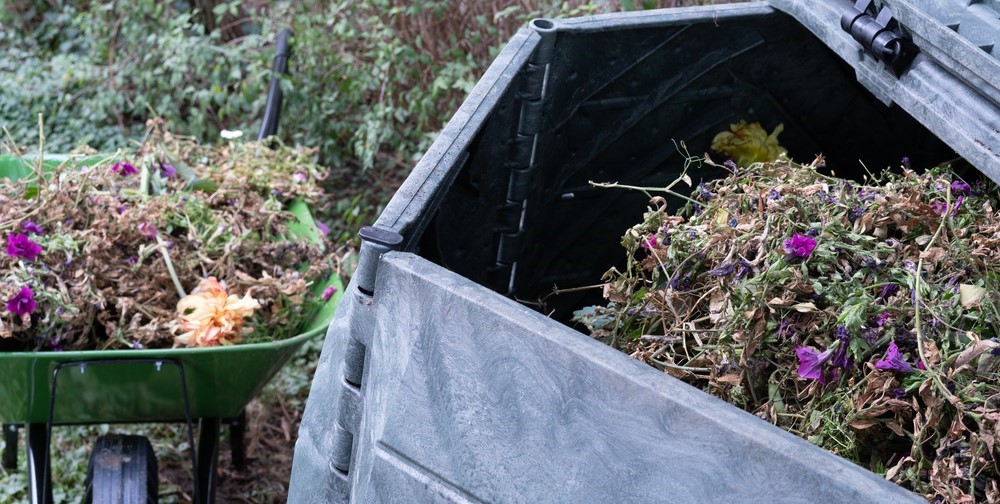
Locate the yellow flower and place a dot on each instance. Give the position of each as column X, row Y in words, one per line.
column 747, row 144
column 210, row 316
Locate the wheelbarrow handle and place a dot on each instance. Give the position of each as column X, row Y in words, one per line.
column 272, row 109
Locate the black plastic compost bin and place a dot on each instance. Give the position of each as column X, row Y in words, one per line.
column 435, row 385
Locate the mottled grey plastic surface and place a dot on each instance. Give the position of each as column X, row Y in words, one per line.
column 433, row 388
column 490, row 401
column 953, row 85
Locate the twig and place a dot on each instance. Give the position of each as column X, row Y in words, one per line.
column 670, row 340
column 682, row 368
column 616, row 185
column 170, row 265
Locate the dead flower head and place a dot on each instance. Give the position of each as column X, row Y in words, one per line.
column 210, row 316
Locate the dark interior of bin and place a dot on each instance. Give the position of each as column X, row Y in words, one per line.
column 615, row 103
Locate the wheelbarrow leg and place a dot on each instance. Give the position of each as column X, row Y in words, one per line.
column 237, row 440
column 208, row 457
column 39, row 476
column 10, row 446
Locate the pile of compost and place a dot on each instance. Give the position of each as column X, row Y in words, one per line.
column 171, row 243
column 860, row 316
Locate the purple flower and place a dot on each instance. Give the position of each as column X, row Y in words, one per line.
column 31, row 228
column 329, row 292
column 148, row 230
column 19, row 245
column 733, row 222
column 785, row 330
column 300, row 177
column 132, row 259
column 825, row 197
column 960, row 188
column 939, row 207
column 680, row 282
column 882, row 318
column 958, row 203
column 323, row 228
column 745, row 269
column 123, row 169
column 898, row 393
column 811, row 363
column 649, row 243
column 840, row 358
column 23, row 302
column 725, row 269
column 869, row 334
column 920, row 365
column 888, row 290
column 121, row 209
column 813, row 232
column 167, row 171
column 799, row 246
column 855, row 213
column 893, row 360
column 703, row 193
column 773, row 195
column 731, row 165
column 905, row 162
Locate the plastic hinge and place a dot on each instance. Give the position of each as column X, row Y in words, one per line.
column 510, row 244
column 509, row 217
column 374, row 243
column 519, row 151
column 531, row 118
column 520, row 181
column 880, row 35
column 531, row 82
column 354, row 361
column 343, row 443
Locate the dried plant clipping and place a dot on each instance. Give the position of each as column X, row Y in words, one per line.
column 862, row 317
column 99, row 250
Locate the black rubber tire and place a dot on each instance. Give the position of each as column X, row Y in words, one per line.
column 122, row 470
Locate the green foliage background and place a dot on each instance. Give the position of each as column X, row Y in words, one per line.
column 371, row 82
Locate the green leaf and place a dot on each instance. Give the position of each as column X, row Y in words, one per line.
column 853, row 315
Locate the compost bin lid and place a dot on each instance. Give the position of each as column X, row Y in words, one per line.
column 950, row 81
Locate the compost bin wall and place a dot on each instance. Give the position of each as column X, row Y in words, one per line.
column 433, row 388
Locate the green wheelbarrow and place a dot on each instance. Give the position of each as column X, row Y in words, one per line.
column 208, row 386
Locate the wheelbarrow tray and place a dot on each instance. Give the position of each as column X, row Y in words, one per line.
column 145, row 385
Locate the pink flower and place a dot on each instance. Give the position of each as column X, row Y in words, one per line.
column 799, row 246
column 323, row 228
column 329, row 292
column 23, row 302
column 19, row 245
column 167, row 171
column 123, row 169
column 649, row 243
column 148, row 230
column 31, row 228
column 893, row 360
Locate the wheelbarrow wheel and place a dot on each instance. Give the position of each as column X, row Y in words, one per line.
column 122, row 470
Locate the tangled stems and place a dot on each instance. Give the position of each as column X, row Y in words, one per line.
column 916, row 306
